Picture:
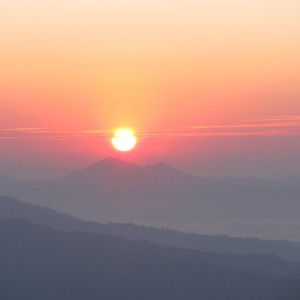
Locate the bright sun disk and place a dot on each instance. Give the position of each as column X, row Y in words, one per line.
column 124, row 139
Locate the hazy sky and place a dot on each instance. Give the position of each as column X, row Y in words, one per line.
column 210, row 86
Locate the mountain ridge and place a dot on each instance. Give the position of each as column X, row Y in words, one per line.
column 52, row 264
column 117, row 190
column 14, row 209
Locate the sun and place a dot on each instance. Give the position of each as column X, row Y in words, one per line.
column 124, row 139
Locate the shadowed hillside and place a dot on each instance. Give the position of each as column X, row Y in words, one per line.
column 40, row 263
column 14, row 209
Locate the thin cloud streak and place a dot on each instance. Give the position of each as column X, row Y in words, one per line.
column 296, row 124
column 268, row 119
column 270, row 133
column 263, row 126
column 271, row 126
column 25, row 129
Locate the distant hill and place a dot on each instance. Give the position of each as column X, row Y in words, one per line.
column 14, row 209
column 116, row 190
column 42, row 263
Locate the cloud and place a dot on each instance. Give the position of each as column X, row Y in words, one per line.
column 260, row 126
column 47, row 133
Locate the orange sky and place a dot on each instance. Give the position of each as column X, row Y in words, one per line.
column 153, row 65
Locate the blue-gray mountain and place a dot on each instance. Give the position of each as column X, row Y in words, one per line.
column 158, row 194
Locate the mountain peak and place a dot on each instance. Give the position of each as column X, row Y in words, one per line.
column 120, row 166
column 114, row 170
column 106, row 168
column 112, row 162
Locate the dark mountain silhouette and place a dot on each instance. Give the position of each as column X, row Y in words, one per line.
column 14, row 209
column 42, row 263
column 114, row 172
column 120, row 191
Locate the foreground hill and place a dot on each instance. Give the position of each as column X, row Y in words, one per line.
column 42, row 263
column 13, row 209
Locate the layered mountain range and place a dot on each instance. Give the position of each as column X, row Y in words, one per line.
column 48, row 255
column 115, row 190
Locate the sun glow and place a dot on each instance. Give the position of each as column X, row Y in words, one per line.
column 124, row 139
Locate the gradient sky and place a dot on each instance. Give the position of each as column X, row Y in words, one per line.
column 210, row 86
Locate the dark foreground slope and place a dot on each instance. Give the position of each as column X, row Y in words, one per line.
column 42, row 263
column 13, row 209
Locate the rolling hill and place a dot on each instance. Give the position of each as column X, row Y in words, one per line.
column 14, row 209
column 42, row 263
